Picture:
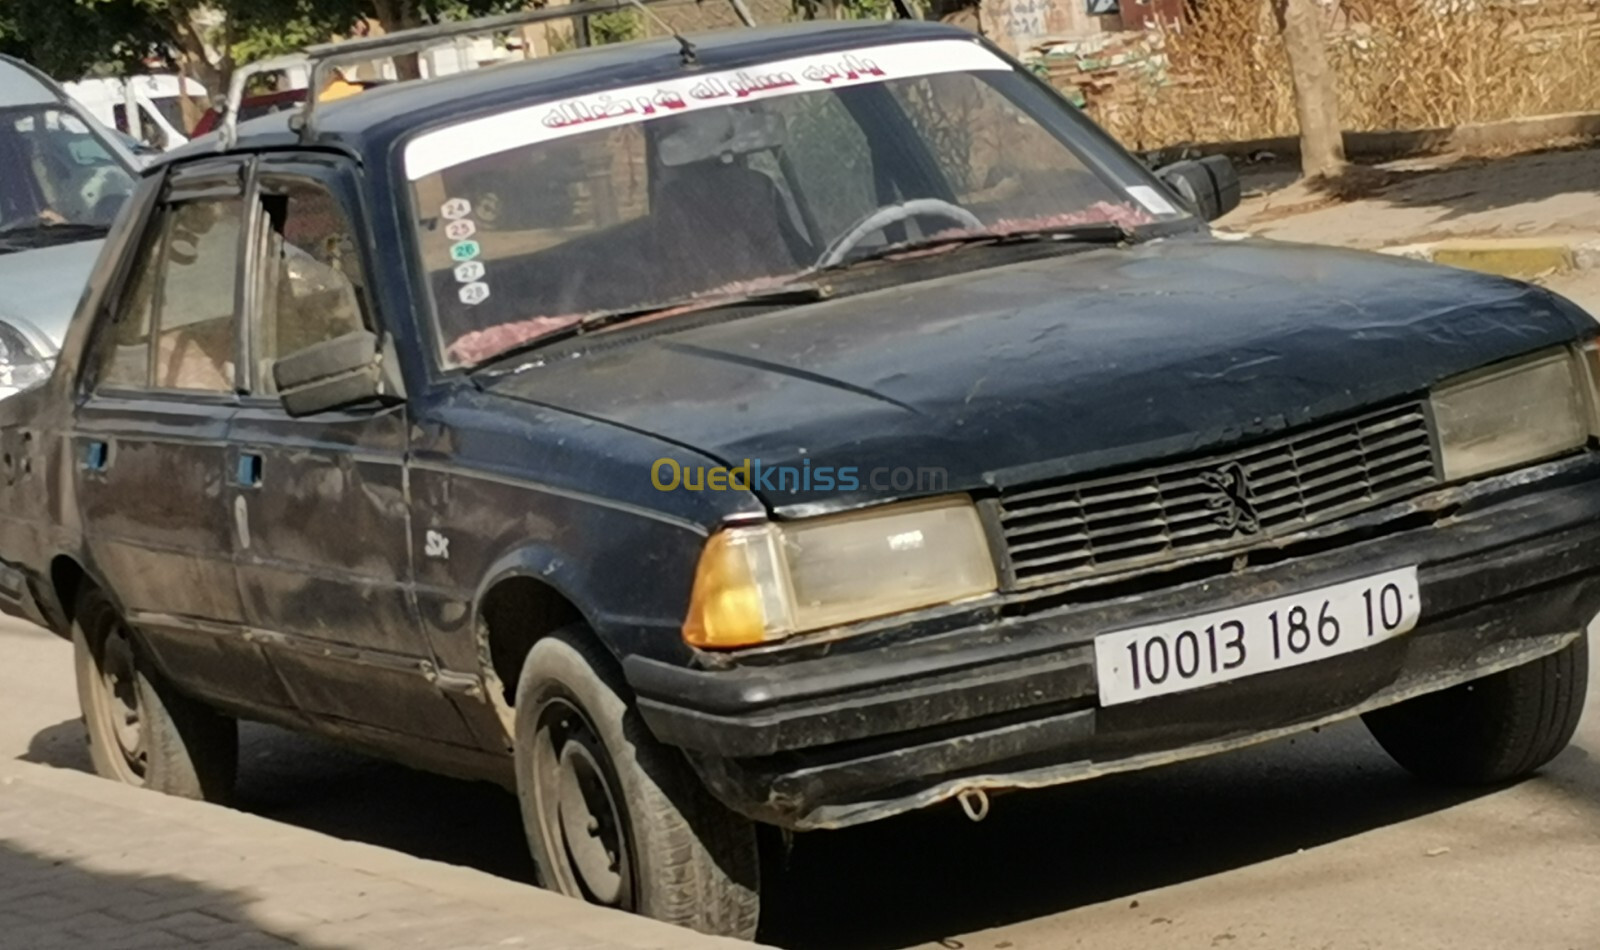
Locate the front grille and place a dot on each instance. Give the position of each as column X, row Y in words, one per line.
column 1067, row 529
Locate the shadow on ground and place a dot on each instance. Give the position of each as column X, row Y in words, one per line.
column 1456, row 186
column 929, row 876
column 313, row 784
column 914, row 879
column 52, row 901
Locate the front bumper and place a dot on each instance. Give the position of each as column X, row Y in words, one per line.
column 840, row 732
column 16, row 595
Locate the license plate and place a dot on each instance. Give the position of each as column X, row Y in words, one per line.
column 1256, row 638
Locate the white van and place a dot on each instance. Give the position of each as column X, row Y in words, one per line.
column 156, row 120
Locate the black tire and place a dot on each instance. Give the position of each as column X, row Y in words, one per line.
column 653, row 841
column 141, row 731
column 1491, row 730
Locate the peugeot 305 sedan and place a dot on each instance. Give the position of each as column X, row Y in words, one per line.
column 826, row 422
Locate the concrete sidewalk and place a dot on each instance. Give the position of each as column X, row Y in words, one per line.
column 92, row 865
column 1527, row 215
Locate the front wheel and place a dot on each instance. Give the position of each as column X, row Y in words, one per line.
column 1490, row 730
column 141, row 730
column 613, row 816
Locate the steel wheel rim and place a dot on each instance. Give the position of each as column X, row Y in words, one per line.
column 119, row 707
column 580, row 815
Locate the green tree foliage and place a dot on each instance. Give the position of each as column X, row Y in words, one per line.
column 202, row 38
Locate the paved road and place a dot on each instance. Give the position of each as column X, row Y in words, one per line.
column 1317, row 842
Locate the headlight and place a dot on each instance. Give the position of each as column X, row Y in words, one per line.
column 21, row 365
column 765, row 583
column 1514, row 415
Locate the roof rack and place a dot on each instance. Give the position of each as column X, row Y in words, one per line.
column 320, row 59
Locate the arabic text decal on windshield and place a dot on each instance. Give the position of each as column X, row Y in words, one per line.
column 453, row 145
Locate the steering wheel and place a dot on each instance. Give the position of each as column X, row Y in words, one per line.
column 894, row 214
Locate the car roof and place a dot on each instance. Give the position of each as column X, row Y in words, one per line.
column 23, row 85
column 370, row 123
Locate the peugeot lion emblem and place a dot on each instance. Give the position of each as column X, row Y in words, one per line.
column 1230, row 500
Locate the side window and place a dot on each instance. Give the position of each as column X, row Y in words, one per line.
column 195, row 311
column 314, row 288
column 125, row 349
column 150, row 130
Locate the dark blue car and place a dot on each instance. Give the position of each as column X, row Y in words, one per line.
column 788, row 426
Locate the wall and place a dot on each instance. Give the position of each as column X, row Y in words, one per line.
column 1022, row 26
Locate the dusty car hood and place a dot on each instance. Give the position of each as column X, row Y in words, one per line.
column 39, row 289
column 1071, row 364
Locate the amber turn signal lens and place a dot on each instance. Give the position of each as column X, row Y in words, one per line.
column 725, row 609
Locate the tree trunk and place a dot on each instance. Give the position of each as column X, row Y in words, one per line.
column 1316, row 90
column 195, row 62
column 192, row 105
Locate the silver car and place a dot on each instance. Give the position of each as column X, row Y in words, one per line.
column 62, row 181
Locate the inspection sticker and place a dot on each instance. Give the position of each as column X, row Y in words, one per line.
column 465, row 251
column 460, row 230
column 456, row 209
column 469, row 272
column 474, row 294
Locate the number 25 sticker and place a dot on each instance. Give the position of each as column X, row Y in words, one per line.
column 460, row 230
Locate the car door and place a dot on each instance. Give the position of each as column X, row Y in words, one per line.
column 150, row 434
column 322, row 519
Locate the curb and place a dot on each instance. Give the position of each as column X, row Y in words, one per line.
column 1518, row 133
column 1520, row 258
column 585, row 924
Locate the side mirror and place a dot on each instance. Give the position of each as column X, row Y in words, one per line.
column 345, row 371
column 1210, row 185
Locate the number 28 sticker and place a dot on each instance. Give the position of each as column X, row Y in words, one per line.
column 475, row 293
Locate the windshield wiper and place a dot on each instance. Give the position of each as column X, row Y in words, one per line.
column 1098, row 232
column 22, row 237
column 783, row 295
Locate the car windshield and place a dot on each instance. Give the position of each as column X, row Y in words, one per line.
column 59, row 180
column 531, row 220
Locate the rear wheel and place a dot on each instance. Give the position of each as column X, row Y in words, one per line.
column 614, row 817
column 141, row 731
column 1494, row 729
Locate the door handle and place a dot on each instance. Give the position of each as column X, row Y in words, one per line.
column 248, row 472
column 97, row 455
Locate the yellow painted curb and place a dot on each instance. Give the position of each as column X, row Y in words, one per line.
column 1523, row 258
